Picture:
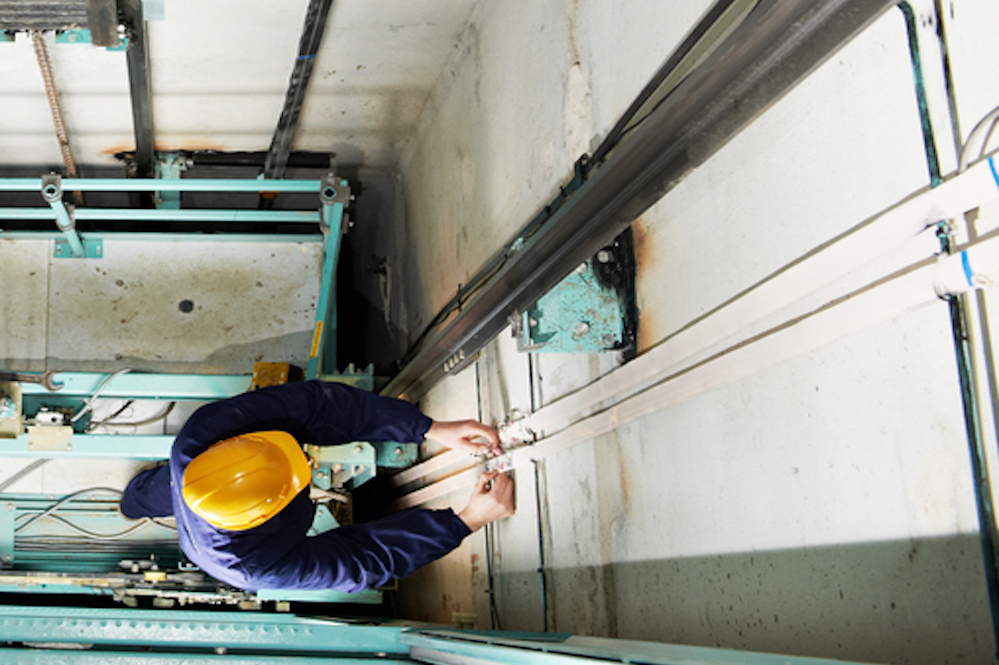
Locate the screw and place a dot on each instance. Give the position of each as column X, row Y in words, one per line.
column 581, row 269
column 604, row 256
column 609, row 340
column 337, row 468
column 398, row 451
column 581, row 329
column 358, row 448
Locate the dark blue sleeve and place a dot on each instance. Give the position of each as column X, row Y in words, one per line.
column 312, row 411
column 362, row 556
column 148, row 494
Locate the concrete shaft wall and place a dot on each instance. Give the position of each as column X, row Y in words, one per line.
column 822, row 506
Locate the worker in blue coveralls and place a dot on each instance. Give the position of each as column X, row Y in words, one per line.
column 238, row 485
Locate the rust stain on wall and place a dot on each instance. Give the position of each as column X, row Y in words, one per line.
column 645, row 258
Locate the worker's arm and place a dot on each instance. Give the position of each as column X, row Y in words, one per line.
column 361, row 556
column 470, row 436
column 312, row 411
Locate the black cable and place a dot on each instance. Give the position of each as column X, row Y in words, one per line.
column 625, row 125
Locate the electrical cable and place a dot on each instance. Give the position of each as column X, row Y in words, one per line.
column 494, row 617
column 102, row 536
column 114, row 415
column 981, row 133
column 89, row 404
column 61, row 502
column 23, row 472
column 137, row 423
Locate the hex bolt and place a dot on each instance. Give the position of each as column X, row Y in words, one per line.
column 581, row 329
column 398, row 451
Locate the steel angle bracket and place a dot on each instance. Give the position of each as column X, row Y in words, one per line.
column 346, row 466
column 93, row 248
column 83, row 36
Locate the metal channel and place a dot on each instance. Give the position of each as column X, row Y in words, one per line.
column 137, row 58
column 308, row 46
column 775, row 47
column 42, row 14
column 253, row 632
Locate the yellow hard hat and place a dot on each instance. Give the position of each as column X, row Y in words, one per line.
column 242, row 482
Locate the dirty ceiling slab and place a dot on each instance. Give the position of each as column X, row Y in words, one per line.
column 219, row 73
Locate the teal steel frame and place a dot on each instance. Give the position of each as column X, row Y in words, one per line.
column 334, row 195
column 142, row 385
column 138, row 637
column 169, row 185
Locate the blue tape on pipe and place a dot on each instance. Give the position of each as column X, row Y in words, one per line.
column 992, row 165
column 968, row 274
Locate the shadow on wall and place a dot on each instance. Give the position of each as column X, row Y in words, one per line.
column 920, row 601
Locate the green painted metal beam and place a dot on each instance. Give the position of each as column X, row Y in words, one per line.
column 322, row 355
column 160, row 185
column 119, row 446
column 257, row 632
column 164, row 215
column 140, row 385
column 31, row 656
column 112, row 236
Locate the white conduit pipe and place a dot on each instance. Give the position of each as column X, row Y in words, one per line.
column 911, row 288
column 848, row 251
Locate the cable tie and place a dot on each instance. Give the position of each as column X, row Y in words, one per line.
column 968, row 274
column 992, row 165
column 307, row 57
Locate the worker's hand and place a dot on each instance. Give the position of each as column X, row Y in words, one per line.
column 468, row 435
column 492, row 499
